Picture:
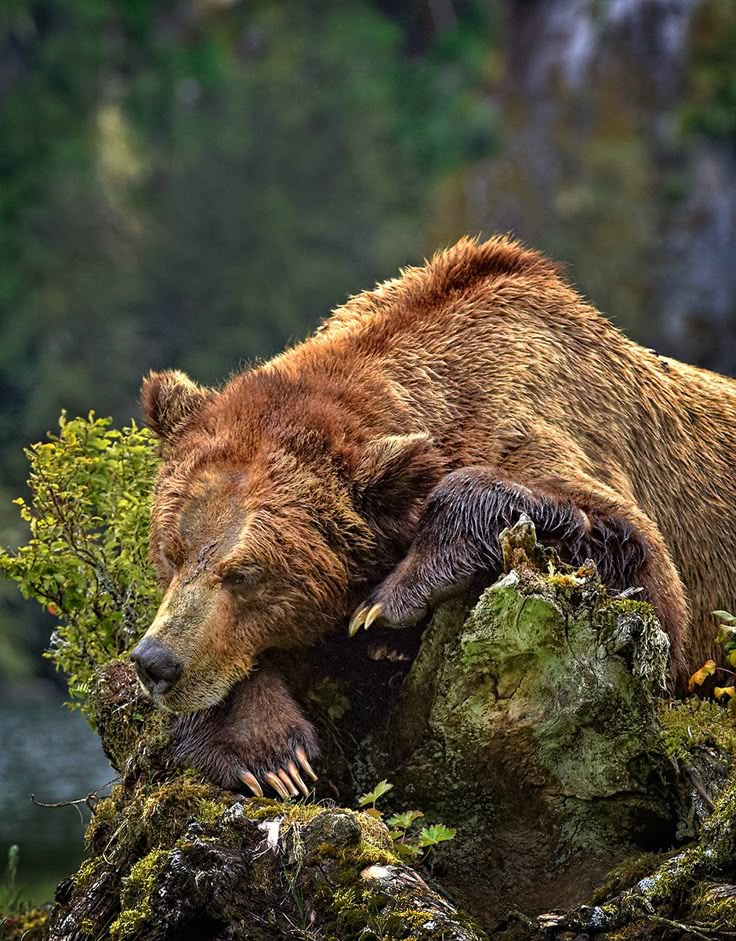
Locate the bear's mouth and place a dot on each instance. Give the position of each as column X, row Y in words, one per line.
column 192, row 693
column 179, row 682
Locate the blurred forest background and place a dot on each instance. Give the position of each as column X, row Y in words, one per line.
column 197, row 183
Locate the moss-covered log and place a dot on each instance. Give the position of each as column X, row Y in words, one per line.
column 586, row 804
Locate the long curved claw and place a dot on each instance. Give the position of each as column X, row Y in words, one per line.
column 252, row 782
column 297, row 778
column 356, row 622
column 288, row 783
column 375, row 612
column 302, row 758
column 275, row 781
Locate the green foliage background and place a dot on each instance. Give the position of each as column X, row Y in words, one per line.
column 193, row 183
column 196, row 185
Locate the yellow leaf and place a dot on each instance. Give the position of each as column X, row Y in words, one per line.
column 699, row 677
column 724, row 691
column 373, row 812
column 732, row 658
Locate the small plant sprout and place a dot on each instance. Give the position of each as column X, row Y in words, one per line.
column 10, row 896
column 383, row 787
column 410, row 844
column 437, row 833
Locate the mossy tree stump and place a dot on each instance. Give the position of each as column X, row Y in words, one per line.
column 537, row 724
column 533, row 728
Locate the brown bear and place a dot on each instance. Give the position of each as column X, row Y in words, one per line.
column 373, row 465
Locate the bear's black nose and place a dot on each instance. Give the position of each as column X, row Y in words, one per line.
column 156, row 665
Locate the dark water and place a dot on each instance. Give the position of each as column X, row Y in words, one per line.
column 52, row 753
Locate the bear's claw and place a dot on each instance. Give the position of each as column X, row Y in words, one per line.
column 364, row 617
column 276, row 783
column 286, row 782
column 297, row 778
column 393, row 604
column 257, row 738
column 302, row 756
column 252, row 781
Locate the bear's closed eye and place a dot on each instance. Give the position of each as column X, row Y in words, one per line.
column 244, row 576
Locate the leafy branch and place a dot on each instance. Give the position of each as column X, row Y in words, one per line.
column 85, row 557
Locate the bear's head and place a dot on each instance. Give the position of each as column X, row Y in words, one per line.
column 267, row 521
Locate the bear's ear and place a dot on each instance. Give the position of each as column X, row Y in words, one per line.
column 169, row 399
column 394, row 476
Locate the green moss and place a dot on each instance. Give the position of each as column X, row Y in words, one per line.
column 101, row 824
column 628, row 606
column 347, row 909
column 374, row 834
column 685, row 880
column 364, row 911
column 627, row 874
column 135, row 898
column 563, row 580
column 167, row 808
column 697, row 722
column 88, row 872
column 714, row 906
column 368, row 853
column 210, row 811
column 266, row 808
column 359, row 910
column 29, row 925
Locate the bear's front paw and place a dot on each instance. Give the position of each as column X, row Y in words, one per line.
column 258, row 737
column 402, row 599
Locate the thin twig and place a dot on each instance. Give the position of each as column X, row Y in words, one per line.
column 690, row 930
column 89, row 801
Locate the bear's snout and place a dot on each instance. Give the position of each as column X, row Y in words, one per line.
column 157, row 666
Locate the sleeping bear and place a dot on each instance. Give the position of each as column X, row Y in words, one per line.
column 369, row 470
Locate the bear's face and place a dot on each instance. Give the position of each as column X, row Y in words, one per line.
column 261, row 538
column 251, row 558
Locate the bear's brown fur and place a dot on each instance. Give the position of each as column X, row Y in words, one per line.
column 383, row 454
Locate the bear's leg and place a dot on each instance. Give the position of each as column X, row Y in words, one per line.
column 457, row 541
column 657, row 575
column 257, row 736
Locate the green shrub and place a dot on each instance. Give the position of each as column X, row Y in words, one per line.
column 86, row 557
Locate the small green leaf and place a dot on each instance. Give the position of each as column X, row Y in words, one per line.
column 726, row 634
column 404, row 820
column 408, row 851
column 437, row 833
column 725, row 616
column 383, row 787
